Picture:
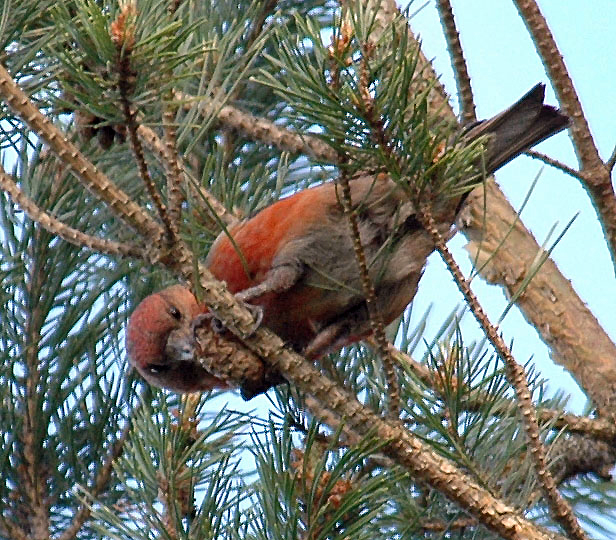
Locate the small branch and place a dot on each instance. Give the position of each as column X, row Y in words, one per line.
column 56, row 227
column 515, row 373
column 256, row 30
column 596, row 174
column 157, row 146
column 563, row 85
column 33, row 471
column 579, row 454
column 446, row 526
column 89, row 176
column 598, row 428
column 456, row 53
column 9, row 530
column 260, row 129
column 376, row 320
column 175, row 197
column 257, row 25
column 144, row 174
column 555, row 163
column 612, row 161
column 122, row 35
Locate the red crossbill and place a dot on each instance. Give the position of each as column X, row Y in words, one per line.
column 298, row 264
column 160, row 342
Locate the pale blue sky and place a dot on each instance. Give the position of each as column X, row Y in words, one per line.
column 503, row 65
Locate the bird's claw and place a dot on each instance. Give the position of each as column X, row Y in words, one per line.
column 218, row 326
column 257, row 315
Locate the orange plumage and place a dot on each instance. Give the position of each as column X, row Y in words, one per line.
column 295, row 258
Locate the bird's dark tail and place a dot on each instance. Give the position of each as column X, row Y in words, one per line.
column 518, row 128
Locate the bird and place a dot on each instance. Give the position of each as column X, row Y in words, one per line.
column 295, row 258
column 294, row 261
column 160, row 342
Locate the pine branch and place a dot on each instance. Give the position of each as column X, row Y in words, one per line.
column 10, row 530
column 579, row 455
column 565, row 323
column 515, row 373
column 56, row 227
column 596, row 174
column 260, row 129
column 456, row 53
column 611, row 161
column 376, row 320
column 33, row 475
column 597, row 428
column 174, row 172
column 555, row 163
column 158, row 147
column 92, row 179
column 367, row 106
column 122, row 32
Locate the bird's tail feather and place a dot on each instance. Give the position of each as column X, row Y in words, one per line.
column 523, row 125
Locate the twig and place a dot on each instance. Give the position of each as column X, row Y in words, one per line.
column 157, row 146
column 122, row 35
column 376, row 320
column 91, row 178
column 34, row 474
column 460, row 68
column 596, row 174
column 56, row 227
column 612, row 161
column 555, row 163
column 260, row 129
column 10, row 530
column 599, row 428
column 175, row 197
column 515, row 373
column 580, row 454
column 445, row 526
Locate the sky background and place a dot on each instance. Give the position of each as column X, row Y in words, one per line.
column 503, row 65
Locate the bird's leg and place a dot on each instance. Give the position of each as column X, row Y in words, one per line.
column 279, row 279
column 324, row 340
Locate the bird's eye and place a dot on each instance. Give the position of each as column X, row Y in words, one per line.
column 175, row 313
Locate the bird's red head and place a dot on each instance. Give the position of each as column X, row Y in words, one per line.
column 160, row 342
